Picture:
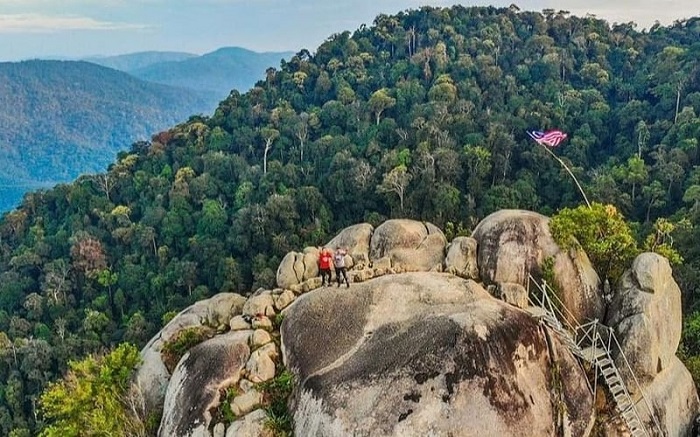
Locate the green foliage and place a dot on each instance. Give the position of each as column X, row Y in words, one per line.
column 602, row 232
column 183, row 341
column 661, row 242
column 371, row 125
column 90, row 399
column 277, row 322
column 276, row 394
column 223, row 412
column 167, row 317
column 453, row 230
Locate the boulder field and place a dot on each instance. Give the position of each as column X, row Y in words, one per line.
column 432, row 338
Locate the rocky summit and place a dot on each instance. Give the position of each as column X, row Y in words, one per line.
column 432, row 338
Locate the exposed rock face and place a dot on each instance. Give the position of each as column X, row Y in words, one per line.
column 356, row 240
column 297, row 267
column 152, row 376
column 461, row 258
column 252, row 425
column 514, row 243
column 674, row 400
column 195, row 383
column 409, row 245
column 427, row 354
column 646, row 315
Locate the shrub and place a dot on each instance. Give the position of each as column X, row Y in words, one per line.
column 602, row 232
column 175, row 349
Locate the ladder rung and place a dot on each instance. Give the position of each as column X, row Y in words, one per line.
column 604, row 362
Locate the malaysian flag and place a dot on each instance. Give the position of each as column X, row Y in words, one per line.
column 551, row 138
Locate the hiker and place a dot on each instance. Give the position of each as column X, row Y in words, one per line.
column 339, row 263
column 324, row 265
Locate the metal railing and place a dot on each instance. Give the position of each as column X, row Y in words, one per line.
column 594, row 343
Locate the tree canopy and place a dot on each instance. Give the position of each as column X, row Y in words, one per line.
column 420, row 115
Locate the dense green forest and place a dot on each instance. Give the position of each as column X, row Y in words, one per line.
column 421, row 115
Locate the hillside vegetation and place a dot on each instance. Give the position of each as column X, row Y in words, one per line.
column 59, row 119
column 421, row 115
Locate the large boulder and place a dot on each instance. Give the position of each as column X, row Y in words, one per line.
column 195, row 385
column 674, row 400
column 408, row 245
column 461, row 258
column 647, row 316
column 428, row 354
column 152, row 376
column 355, row 239
column 514, row 244
column 296, row 267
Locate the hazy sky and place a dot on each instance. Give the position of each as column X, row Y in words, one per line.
column 76, row 28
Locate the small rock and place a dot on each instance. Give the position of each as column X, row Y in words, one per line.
column 262, row 322
column 259, row 338
column 246, row 385
column 251, row 425
column 244, row 404
column 219, row 430
column 238, row 323
column 260, row 367
column 270, row 350
column 284, row 299
column 514, row 294
column 258, row 304
column 382, row 263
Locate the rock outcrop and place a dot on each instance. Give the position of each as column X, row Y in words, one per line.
column 513, row 244
column 408, row 245
column 409, row 351
column 195, row 385
column 152, row 376
column 646, row 315
column 428, row 354
column 355, row 239
column 461, row 258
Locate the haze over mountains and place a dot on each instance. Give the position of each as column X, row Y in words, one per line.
column 60, row 119
column 212, row 75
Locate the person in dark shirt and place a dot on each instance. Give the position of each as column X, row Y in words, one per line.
column 339, row 263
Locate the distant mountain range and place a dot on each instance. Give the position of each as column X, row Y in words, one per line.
column 212, row 75
column 59, row 119
column 134, row 61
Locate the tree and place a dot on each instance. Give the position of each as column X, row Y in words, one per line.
column 380, row 101
column 396, row 181
column 269, row 135
column 636, row 173
column 90, row 399
column 600, row 231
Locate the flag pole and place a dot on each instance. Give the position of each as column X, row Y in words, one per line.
column 569, row 171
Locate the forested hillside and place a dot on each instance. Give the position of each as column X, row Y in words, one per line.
column 135, row 61
column 59, row 119
column 213, row 75
column 421, row 115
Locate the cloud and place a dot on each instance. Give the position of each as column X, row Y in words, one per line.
column 37, row 23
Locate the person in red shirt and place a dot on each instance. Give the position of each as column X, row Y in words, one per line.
column 325, row 260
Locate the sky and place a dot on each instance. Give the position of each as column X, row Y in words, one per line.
column 81, row 28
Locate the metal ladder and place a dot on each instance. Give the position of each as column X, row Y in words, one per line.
column 592, row 343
